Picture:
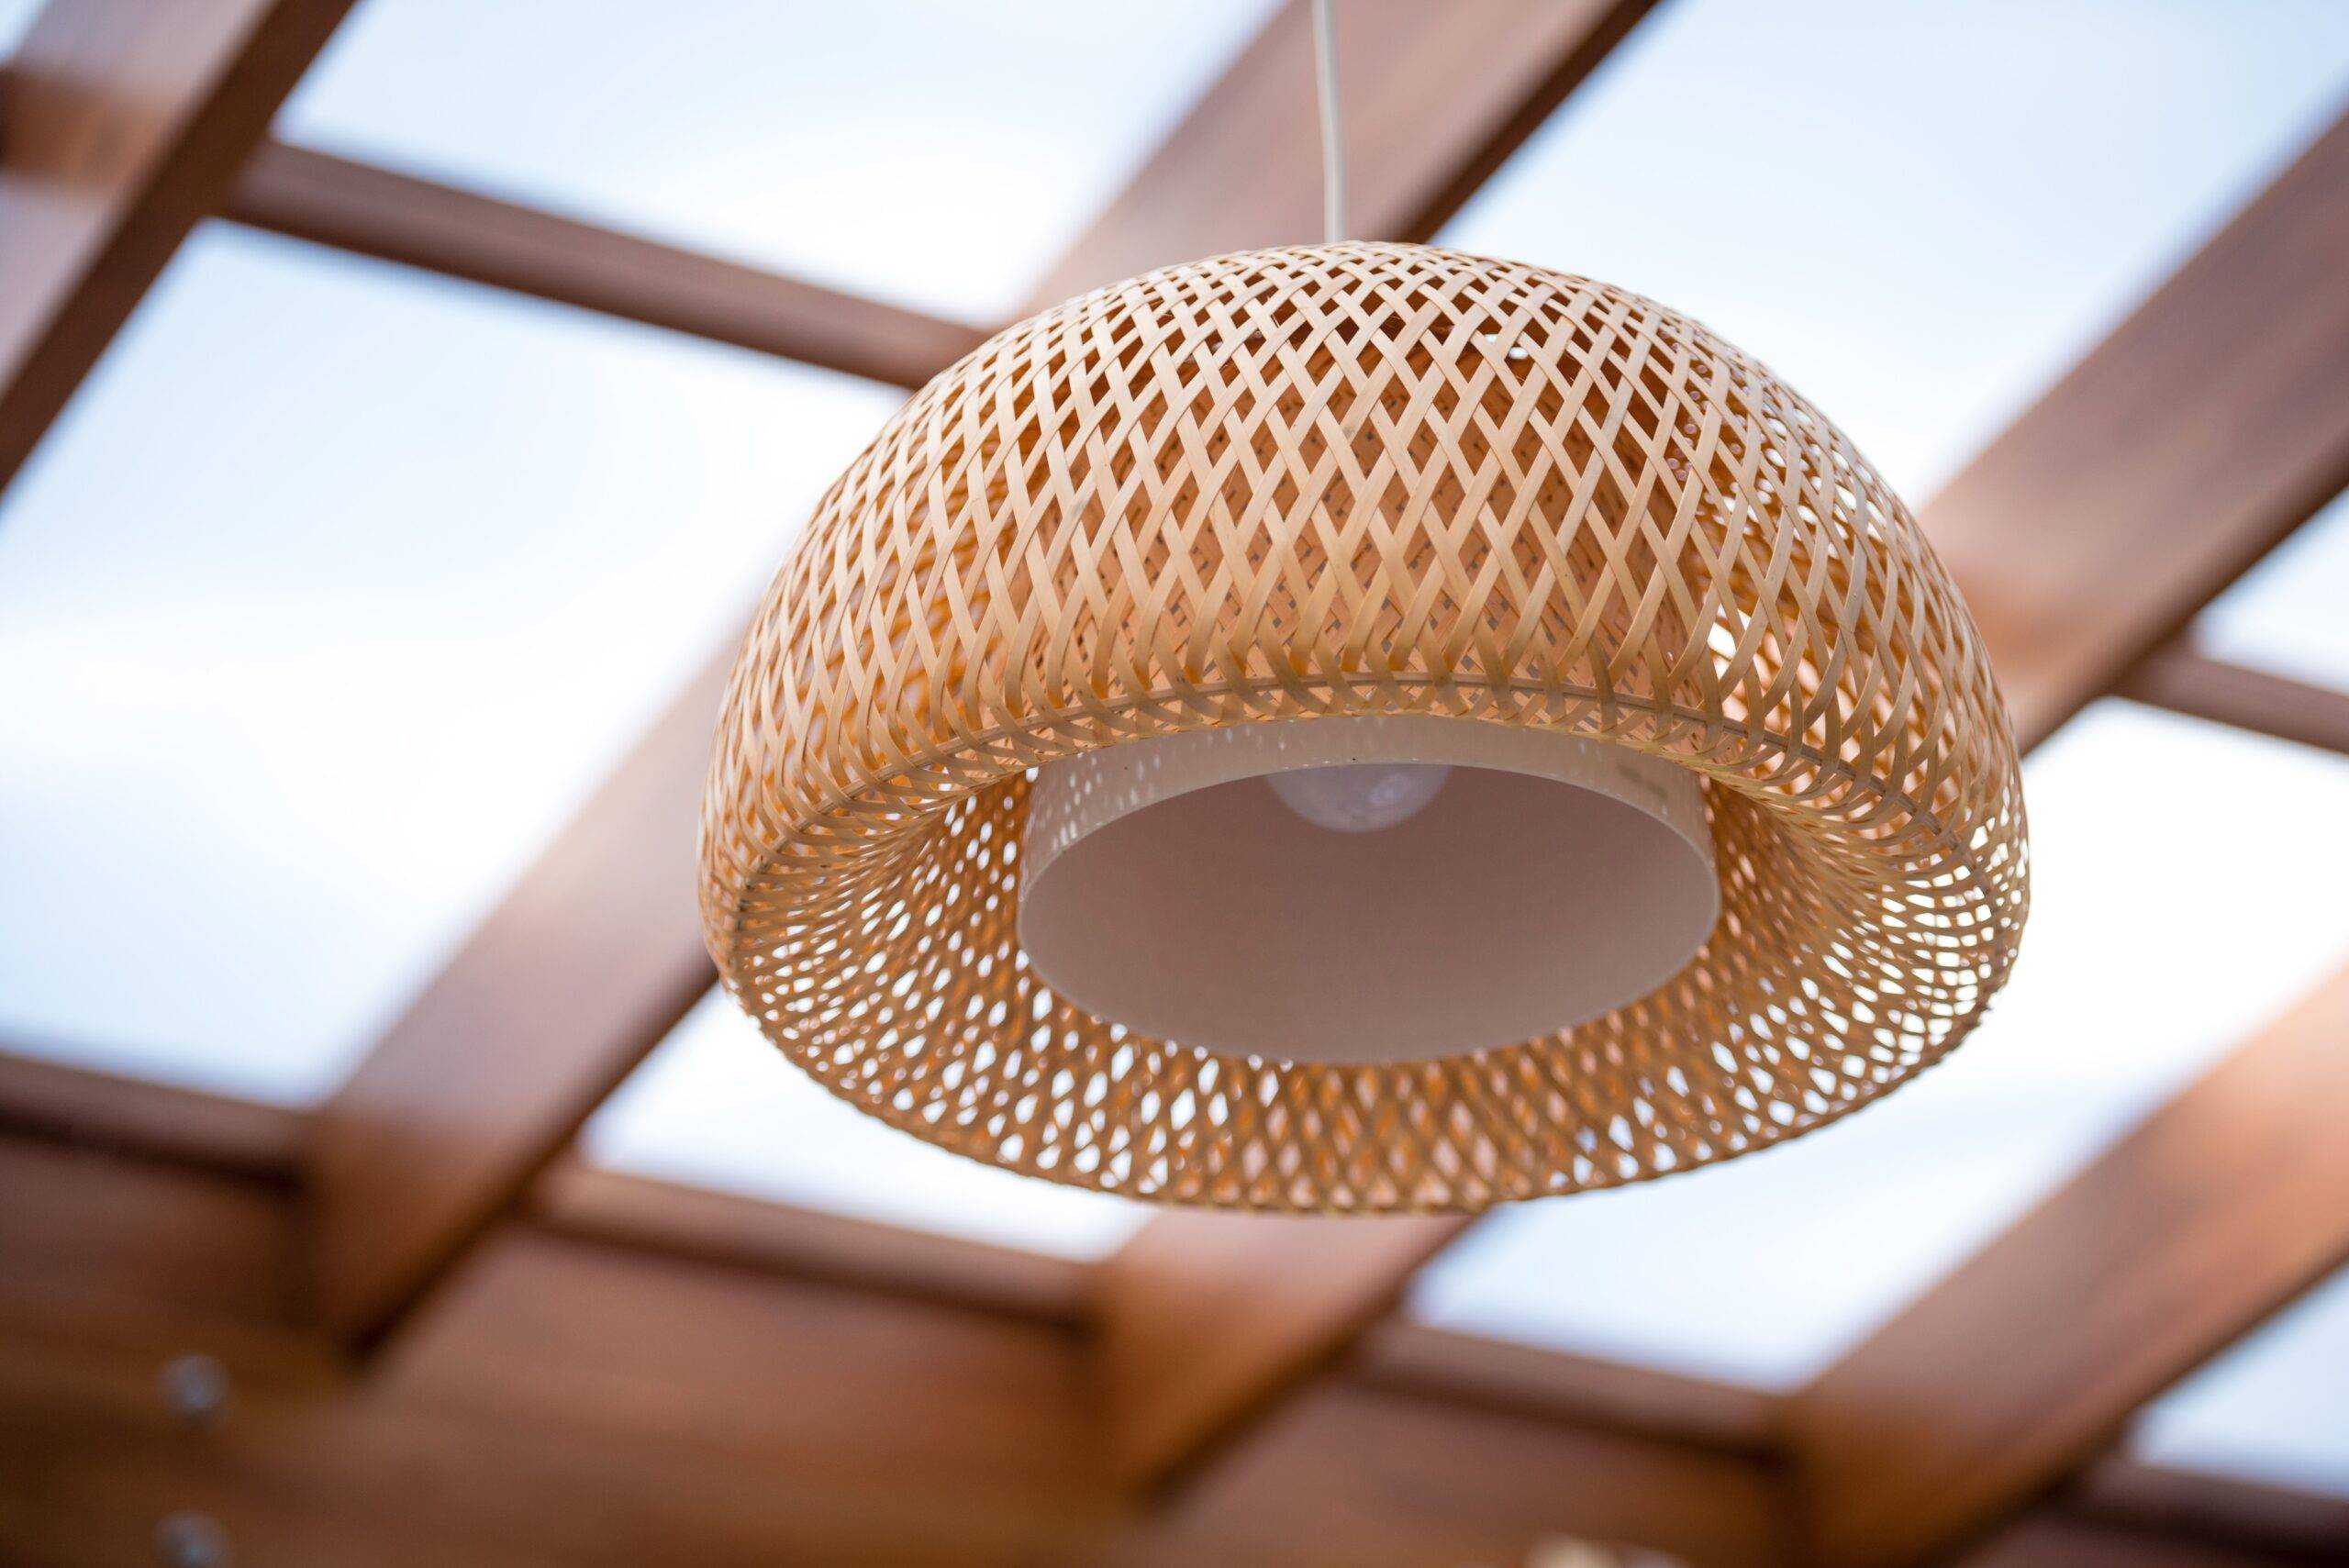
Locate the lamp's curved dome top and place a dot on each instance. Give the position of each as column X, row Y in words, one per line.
column 1361, row 480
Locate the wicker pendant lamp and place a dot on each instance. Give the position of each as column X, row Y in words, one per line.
column 1362, row 727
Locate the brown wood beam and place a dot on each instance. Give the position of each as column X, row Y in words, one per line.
column 2207, row 427
column 671, row 1363
column 2222, row 1511
column 397, row 217
column 122, row 123
column 1435, row 98
column 661, row 1219
column 2060, row 1542
column 1349, row 1476
column 577, row 1397
column 2027, row 1361
column 1210, row 1319
column 87, row 1234
column 557, row 994
column 2184, row 680
column 88, row 1109
column 1471, row 1371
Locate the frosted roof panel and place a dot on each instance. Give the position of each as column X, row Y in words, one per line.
column 338, row 589
column 1919, row 214
column 935, row 153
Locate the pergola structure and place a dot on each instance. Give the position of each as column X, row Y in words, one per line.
column 451, row 1340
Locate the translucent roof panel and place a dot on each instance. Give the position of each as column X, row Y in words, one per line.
column 2274, row 1408
column 2285, row 615
column 2166, row 926
column 336, row 592
column 718, row 1106
column 1919, row 214
column 16, row 16
column 935, row 152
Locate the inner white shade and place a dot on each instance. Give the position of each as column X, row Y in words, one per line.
column 1169, row 887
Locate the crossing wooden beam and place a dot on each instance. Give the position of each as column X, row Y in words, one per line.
column 398, row 217
column 125, row 123
column 2030, row 1358
column 1434, row 98
column 2178, row 678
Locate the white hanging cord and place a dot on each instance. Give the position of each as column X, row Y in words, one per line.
column 1333, row 139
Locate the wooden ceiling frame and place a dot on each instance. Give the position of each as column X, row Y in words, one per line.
column 124, row 125
column 736, row 1381
column 2180, row 678
column 437, row 229
column 2026, row 1360
column 2220, row 479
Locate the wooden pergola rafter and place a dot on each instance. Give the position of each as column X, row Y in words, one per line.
column 1221, row 1374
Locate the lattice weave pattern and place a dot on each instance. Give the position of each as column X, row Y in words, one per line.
column 1362, row 479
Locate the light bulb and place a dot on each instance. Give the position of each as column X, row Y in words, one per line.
column 1359, row 797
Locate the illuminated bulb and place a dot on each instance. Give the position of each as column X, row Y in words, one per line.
column 1360, row 798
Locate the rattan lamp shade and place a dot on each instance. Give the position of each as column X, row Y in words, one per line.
column 1351, row 481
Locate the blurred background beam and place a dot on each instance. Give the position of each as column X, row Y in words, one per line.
column 398, row 217
column 566, row 985
column 2182, row 680
column 126, row 122
column 2211, row 423
column 1210, row 1319
column 1435, row 98
column 660, row 1372
column 2214, row 1214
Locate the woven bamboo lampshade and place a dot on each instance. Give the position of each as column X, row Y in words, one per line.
column 1703, row 689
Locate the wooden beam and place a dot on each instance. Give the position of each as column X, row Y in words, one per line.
column 2211, row 423
column 1346, row 1476
column 397, row 217
column 1435, row 98
column 2026, row 1360
column 2179, row 1505
column 89, row 1109
column 593, row 1401
column 1193, row 1341
column 2059, row 1542
column 661, row 1380
column 1467, row 1370
column 571, row 1405
column 582, row 1202
column 559, row 993
column 2208, row 426
column 2184, row 680
column 87, row 1234
column 125, row 123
